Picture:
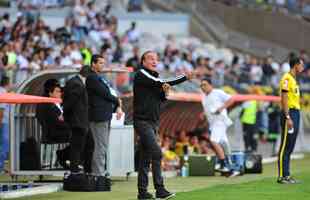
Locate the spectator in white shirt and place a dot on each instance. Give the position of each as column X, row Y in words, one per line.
column 76, row 55
column 35, row 64
column 23, row 67
column 256, row 72
column 65, row 60
column 133, row 34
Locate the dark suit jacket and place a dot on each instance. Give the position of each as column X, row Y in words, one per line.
column 75, row 103
column 53, row 130
column 101, row 102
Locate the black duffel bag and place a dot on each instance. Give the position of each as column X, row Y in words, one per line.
column 79, row 182
column 253, row 163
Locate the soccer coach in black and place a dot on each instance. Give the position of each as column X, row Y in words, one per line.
column 149, row 92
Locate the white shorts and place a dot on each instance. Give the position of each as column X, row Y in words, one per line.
column 218, row 133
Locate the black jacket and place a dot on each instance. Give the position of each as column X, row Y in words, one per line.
column 101, row 102
column 53, row 130
column 75, row 103
column 148, row 94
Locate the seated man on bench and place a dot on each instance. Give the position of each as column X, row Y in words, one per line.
column 50, row 115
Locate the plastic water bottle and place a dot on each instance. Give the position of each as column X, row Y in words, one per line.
column 19, row 186
column 30, row 184
column 184, row 168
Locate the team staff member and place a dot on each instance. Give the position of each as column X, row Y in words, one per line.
column 290, row 96
column 149, row 92
column 102, row 101
column 75, row 108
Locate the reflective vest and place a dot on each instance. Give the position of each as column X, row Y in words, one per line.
column 249, row 113
column 86, row 56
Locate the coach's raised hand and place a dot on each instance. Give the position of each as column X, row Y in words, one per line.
column 166, row 88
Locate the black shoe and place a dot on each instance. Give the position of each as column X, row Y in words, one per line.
column 103, row 184
column 77, row 169
column 164, row 194
column 145, row 196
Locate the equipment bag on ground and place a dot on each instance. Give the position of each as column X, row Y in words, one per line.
column 79, row 182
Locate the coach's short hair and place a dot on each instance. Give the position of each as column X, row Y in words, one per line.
column 144, row 55
column 95, row 58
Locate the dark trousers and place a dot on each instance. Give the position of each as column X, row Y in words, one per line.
column 150, row 152
column 288, row 141
column 88, row 152
column 249, row 137
column 77, row 143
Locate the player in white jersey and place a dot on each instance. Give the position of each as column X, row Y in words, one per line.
column 215, row 103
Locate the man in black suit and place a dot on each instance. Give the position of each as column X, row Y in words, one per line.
column 50, row 116
column 75, row 105
column 103, row 101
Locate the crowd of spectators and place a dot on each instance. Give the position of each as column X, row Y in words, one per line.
column 293, row 6
column 28, row 45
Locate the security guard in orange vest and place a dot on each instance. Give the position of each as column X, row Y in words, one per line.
column 290, row 101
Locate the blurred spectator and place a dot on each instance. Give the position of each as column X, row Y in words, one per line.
column 182, row 140
column 268, row 71
column 187, row 64
column 23, row 67
column 134, row 61
column 135, row 5
column 170, row 160
column 91, row 10
column 194, row 145
column 5, row 22
column 65, row 59
column 80, row 19
column 4, row 122
column 219, row 72
column 35, row 63
column 118, row 51
column 86, row 53
column 132, row 34
column 203, row 68
column 75, row 55
column 203, row 146
column 256, row 72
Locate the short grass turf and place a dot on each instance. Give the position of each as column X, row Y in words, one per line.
column 247, row 187
column 265, row 189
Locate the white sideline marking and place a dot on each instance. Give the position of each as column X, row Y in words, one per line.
column 295, row 156
column 45, row 189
